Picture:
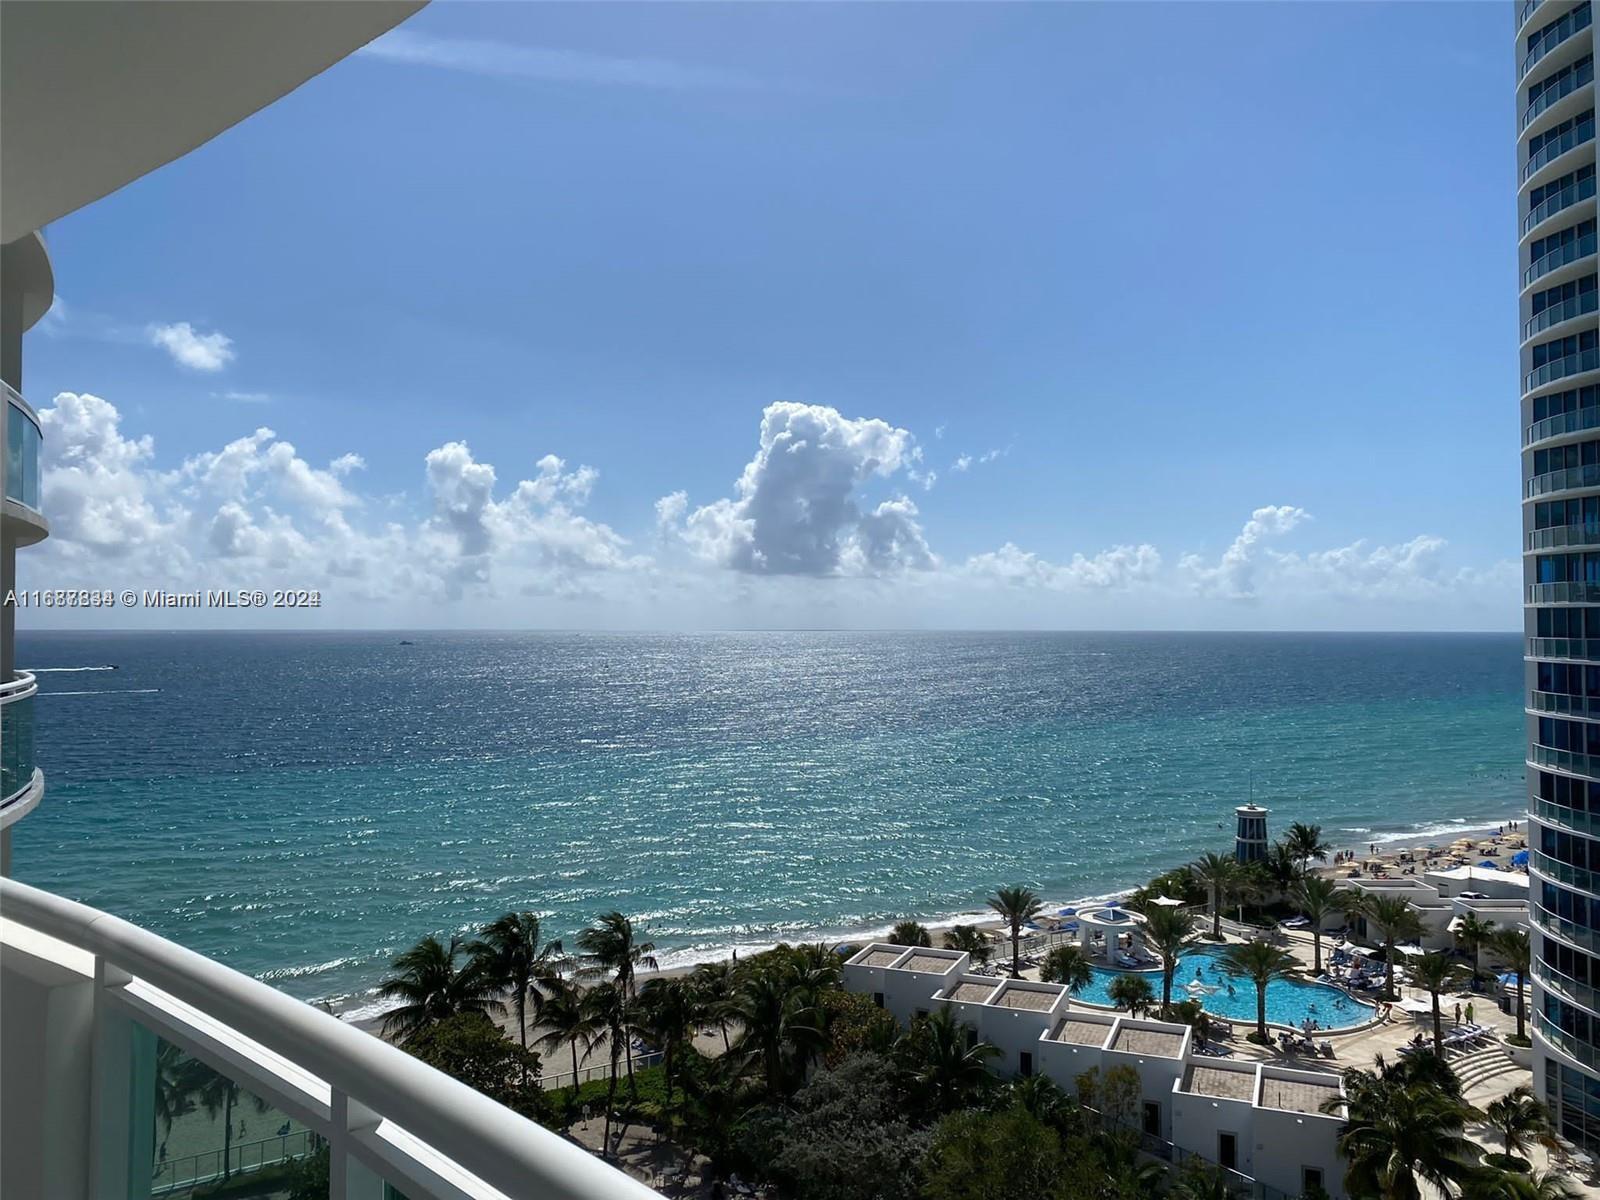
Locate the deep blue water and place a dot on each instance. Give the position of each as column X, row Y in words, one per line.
column 304, row 805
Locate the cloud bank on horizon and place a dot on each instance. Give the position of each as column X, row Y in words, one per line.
column 818, row 529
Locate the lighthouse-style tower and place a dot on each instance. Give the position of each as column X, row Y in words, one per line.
column 1250, row 842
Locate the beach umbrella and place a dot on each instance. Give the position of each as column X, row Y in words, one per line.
column 1490, row 863
column 1167, row 902
column 1519, row 859
column 1067, row 912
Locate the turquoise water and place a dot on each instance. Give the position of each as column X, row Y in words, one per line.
column 1289, row 1001
column 305, row 806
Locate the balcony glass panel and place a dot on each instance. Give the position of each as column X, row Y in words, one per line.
column 212, row 1137
column 1568, row 82
column 1560, row 702
column 1550, row 151
column 1562, row 536
column 1559, row 257
column 1560, row 368
column 1572, row 989
column 1552, row 36
column 1525, row 10
column 1568, row 818
column 1587, row 475
column 1578, row 935
column 1568, row 422
column 1566, row 1042
column 1577, row 306
column 22, row 454
column 1564, row 593
column 1554, row 868
column 16, row 746
column 1584, row 648
column 1573, row 193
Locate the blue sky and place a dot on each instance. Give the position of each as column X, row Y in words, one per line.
column 1030, row 284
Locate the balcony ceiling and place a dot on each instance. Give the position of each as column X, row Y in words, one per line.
column 96, row 93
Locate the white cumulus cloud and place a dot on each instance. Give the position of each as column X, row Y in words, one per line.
column 1234, row 575
column 188, row 348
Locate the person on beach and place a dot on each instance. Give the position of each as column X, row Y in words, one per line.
column 1458, row 1012
column 1469, row 1012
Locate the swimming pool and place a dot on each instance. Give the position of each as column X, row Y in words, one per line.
column 1289, row 1001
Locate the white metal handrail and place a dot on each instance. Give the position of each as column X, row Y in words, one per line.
column 505, row 1150
column 19, row 687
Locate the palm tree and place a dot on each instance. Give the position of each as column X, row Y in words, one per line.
column 1169, row 932
column 970, row 940
column 1473, row 933
column 1305, row 842
column 779, row 1025
column 1435, row 973
column 1492, row 1184
column 947, row 1063
column 1282, row 869
column 669, row 1010
column 1398, row 1135
column 909, row 933
column 1069, row 965
column 567, row 1020
column 715, row 982
column 1132, row 992
column 1215, row 873
column 1193, row 1014
column 612, row 950
column 1397, row 919
column 1015, row 905
column 432, row 988
column 1521, row 1120
column 1041, row 1097
column 216, row 1093
column 1260, row 963
column 1512, row 946
column 509, row 954
column 174, row 1077
column 608, row 1017
column 1318, row 899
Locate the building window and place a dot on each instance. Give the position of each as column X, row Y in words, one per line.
column 1310, row 1180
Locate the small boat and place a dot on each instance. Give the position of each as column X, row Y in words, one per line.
column 404, row 642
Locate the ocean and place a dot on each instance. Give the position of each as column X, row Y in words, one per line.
column 304, row 806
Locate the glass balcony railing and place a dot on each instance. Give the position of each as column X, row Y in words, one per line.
column 23, row 440
column 1564, row 593
column 1560, row 90
column 1567, row 422
column 1560, row 368
column 1560, row 702
column 1576, row 306
column 1561, row 536
column 1578, row 935
column 1587, row 475
column 16, row 736
column 1525, row 10
column 1566, row 986
column 1572, row 251
column 1566, row 1042
column 1573, row 193
column 1550, row 151
column 1567, row 818
column 1578, row 877
column 1575, row 21
column 1586, row 649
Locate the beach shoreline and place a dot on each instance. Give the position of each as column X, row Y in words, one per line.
column 366, row 1013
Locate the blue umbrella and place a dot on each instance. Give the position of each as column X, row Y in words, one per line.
column 1067, row 912
column 1490, row 863
column 1519, row 859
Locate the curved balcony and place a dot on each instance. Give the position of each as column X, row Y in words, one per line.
column 1559, row 313
column 1574, row 991
column 1525, row 10
column 1564, row 593
column 1546, row 154
column 21, row 781
column 1579, row 935
column 1569, row 84
column 1562, row 423
column 1561, row 537
column 1556, row 35
column 1561, row 368
column 1566, row 818
column 1561, row 704
column 23, row 439
column 1573, row 193
column 1583, row 247
column 1565, row 873
column 1566, row 1042
column 1564, row 480
column 387, row 1118
column 1578, row 649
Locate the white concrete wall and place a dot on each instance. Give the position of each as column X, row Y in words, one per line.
column 1288, row 1142
column 45, row 1083
column 1198, row 1122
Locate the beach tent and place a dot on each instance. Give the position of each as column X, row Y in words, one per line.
column 1519, row 859
column 1490, row 863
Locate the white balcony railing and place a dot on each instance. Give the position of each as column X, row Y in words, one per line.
column 387, row 1117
